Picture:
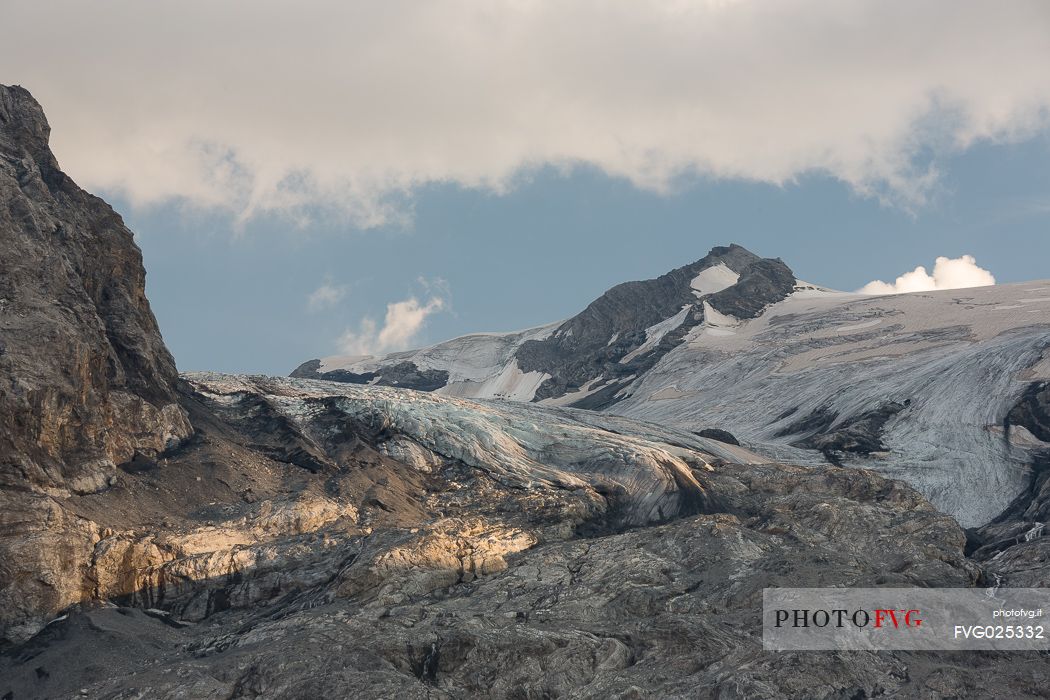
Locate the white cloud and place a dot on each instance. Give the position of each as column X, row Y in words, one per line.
column 258, row 106
column 326, row 296
column 948, row 273
column 403, row 323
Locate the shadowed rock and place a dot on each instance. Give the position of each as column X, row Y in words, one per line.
column 860, row 434
column 1033, row 411
column 718, row 434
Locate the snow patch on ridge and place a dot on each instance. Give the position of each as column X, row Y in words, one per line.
column 511, row 384
column 713, row 279
column 343, row 362
column 573, row 396
column 717, row 323
column 807, row 289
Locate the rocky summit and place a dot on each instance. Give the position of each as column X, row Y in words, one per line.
column 221, row 536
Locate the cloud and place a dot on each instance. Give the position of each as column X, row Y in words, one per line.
column 403, row 323
column 260, row 106
column 948, row 273
column 326, row 296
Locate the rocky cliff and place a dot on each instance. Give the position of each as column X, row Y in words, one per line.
column 86, row 384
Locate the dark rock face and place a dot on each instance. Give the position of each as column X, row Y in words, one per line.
column 718, row 434
column 405, row 375
column 861, row 434
column 307, row 370
column 592, row 344
column 86, row 383
column 816, row 421
column 1033, row 411
column 761, row 283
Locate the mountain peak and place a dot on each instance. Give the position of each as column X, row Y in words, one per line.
column 592, row 359
column 23, row 125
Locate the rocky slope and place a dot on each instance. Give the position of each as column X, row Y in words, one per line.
column 399, row 544
column 426, row 546
column 220, row 536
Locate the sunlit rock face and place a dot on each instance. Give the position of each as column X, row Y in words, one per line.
column 631, row 480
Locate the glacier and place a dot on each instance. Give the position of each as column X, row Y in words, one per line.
column 957, row 361
column 960, row 358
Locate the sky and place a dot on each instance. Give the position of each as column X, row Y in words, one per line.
column 315, row 178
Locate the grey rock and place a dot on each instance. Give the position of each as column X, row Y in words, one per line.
column 403, row 374
column 860, row 434
column 466, row 582
column 718, row 434
column 761, row 283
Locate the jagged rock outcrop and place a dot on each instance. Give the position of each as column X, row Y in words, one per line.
column 718, row 434
column 87, row 379
column 860, row 434
column 86, row 383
